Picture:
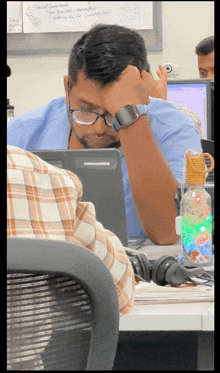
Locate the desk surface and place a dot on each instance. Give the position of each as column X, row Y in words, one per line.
column 155, row 251
column 181, row 316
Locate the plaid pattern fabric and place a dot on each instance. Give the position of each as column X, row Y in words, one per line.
column 193, row 117
column 44, row 201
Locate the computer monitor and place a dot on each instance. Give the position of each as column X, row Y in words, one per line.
column 212, row 109
column 195, row 94
column 100, row 173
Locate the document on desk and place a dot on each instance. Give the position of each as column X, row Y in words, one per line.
column 146, row 293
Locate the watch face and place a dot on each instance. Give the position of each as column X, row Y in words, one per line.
column 127, row 115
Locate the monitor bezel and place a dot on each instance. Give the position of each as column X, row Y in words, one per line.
column 208, row 90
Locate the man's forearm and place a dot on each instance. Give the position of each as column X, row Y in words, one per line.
column 152, row 182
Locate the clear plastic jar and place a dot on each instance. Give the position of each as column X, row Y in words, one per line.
column 196, row 227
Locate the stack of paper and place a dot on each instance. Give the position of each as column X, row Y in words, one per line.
column 146, row 293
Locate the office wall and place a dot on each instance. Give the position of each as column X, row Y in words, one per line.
column 36, row 79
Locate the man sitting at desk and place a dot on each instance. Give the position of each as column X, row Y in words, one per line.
column 205, row 51
column 109, row 77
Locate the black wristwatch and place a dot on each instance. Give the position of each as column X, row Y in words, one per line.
column 127, row 115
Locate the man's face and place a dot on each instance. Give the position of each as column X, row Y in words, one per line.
column 87, row 94
column 206, row 66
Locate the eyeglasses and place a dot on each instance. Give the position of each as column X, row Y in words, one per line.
column 89, row 117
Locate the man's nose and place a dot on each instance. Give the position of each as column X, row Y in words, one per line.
column 100, row 126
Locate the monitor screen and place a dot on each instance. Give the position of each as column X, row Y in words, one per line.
column 195, row 95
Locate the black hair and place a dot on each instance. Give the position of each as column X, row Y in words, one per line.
column 105, row 51
column 205, row 46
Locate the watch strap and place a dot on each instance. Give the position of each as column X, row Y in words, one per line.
column 141, row 108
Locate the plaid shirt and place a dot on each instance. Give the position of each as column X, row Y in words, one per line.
column 193, row 117
column 44, row 201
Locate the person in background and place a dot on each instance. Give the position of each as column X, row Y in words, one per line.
column 205, row 51
column 44, row 202
column 109, row 103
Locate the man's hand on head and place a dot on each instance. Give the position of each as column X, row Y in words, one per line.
column 129, row 89
column 156, row 88
column 134, row 87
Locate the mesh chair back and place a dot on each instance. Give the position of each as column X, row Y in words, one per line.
column 57, row 315
column 41, row 307
column 208, row 146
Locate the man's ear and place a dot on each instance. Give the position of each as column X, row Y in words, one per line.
column 65, row 81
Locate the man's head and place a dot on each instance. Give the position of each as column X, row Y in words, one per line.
column 105, row 51
column 96, row 59
column 206, row 62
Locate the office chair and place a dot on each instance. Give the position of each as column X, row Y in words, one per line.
column 208, row 146
column 63, row 311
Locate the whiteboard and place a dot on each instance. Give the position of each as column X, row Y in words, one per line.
column 62, row 42
column 67, row 16
column 74, row 16
column 14, row 16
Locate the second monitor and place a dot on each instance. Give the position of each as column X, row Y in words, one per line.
column 195, row 94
